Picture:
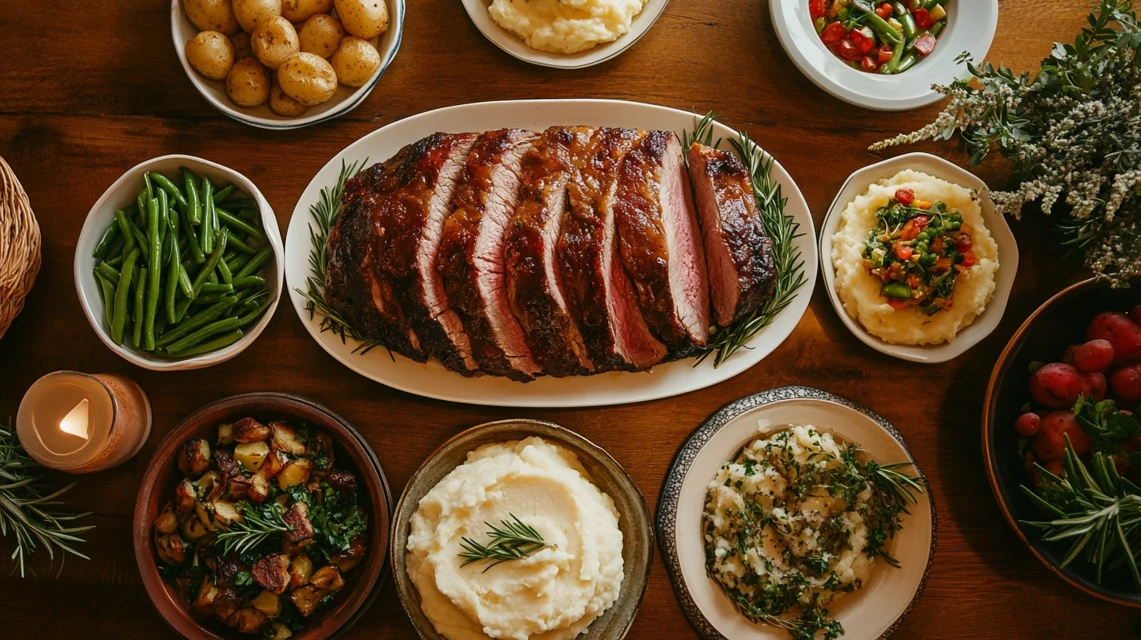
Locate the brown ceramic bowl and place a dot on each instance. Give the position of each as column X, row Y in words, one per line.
column 604, row 471
column 1061, row 321
column 352, row 454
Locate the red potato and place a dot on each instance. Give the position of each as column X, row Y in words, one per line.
column 1056, row 385
column 1028, row 424
column 1050, row 443
column 1121, row 332
column 1068, row 354
column 1095, row 385
column 1135, row 314
column 1126, row 383
column 1094, row 356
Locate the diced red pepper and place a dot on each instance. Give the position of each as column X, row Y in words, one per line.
column 869, row 63
column 937, row 245
column 833, row 33
column 885, row 54
column 849, row 51
column 968, row 260
column 925, row 44
column 910, row 230
column 883, row 11
column 903, row 252
column 864, row 39
column 905, row 196
column 913, row 281
column 898, row 304
column 817, row 8
column 923, row 18
column 942, row 264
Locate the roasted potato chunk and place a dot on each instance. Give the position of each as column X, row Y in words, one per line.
column 298, row 518
column 194, row 528
column 268, row 603
column 167, row 521
column 328, row 578
column 307, row 598
column 185, row 496
column 285, row 439
column 300, row 570
column 248, row 620
column 249, row 430
column 274, row 463
column 259, row 488
column 203, row 606
column 296, row 472
column 347, row 560
column 272, row 572
column 280, row 632
column 239, row 488
column 251, row 455
column 226, row 602
column 226, row 429
column 226, row 513
column 171, row 549
column 194, row 457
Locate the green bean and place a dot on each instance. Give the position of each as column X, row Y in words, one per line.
column 221, row 194
column 211, row 298
column 907, row 62
column 163, row 224
column 122, row 292
column 160, row 324
column 141, row 242
column 906, row 19
column 896, row 56
column 174, row 272
column 170, row 188
column 207, row 347
column 141, row 209
column 214, row 328
column 116, row 262
column 238, row 262
column 247, row 282
column 108, row 289
column 193, row 207
column 255, row 263
column 217, row 288
column 154, row 273
column 211, row 264
column 207, row 316
column 184, row 282
column 207, row 216
column 242, row 246
column 124, row 222
column 105, row 242
column 930, row 4
column 881, row 26
column 235, row 222
column 181, row 308
column 149, row 187
column 252, row 316
column 212, row 278
column 195, row 246
column 937, row 28
column 140, row 300
column 109, row 272
column 224, row 271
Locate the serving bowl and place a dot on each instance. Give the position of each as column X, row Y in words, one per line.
column 343, row 101
column 986, row 322
column 1060, row 321
column 872, row 612
column 604, row 471
column 514, row 45
column 970, row 29
column 122, row 194
column 352, row 453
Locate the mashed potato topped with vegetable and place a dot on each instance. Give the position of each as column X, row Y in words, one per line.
column 929, row 269
column 569, row 570
column 565, row 26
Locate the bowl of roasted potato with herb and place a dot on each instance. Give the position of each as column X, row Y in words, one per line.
column 284, row 64
column 262, row 515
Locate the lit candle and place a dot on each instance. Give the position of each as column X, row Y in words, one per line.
column 81, row 423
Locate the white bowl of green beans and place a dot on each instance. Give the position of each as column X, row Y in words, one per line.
column 179, row 264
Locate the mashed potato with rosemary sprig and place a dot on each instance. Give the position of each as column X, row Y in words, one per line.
column 565, row 26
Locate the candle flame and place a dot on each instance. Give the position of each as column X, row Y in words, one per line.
column 75, row 422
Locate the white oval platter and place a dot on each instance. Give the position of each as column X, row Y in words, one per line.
column 431, row 379
column 872, row 612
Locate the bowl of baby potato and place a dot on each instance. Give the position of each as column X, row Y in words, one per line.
column 285, row 64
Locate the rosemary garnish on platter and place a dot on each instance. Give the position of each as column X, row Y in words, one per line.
column 27, row 512
column 259, row 524
column 512, row 540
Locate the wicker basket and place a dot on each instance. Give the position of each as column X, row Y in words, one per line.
column 19, row 247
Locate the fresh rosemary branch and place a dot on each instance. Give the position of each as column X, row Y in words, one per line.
column 512, row 540
column 27, row 512
column 258, row 526
column 325, row 213
column 782, row 230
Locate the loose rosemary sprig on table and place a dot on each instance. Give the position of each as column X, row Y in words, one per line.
column 27, row 512
column 258, row 526
column 325, row 213
column 512, row 540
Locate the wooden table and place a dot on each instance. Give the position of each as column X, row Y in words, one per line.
column 89, row 89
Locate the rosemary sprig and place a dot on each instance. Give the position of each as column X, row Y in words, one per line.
column 512, row 540
column 27, row 512
column 258, row 526
column 1093, row 509
column 782, row 230
column 325, row 213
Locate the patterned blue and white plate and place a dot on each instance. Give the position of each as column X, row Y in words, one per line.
column 872, row 612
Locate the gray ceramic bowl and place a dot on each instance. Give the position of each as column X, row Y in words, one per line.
column 605, row 472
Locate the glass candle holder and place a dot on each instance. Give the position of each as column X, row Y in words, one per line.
column 80, row 423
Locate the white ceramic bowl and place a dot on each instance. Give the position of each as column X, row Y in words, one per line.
column 343, row 101
column 122, row 194
column 970, row 28
column 872, row 612
column 986, row 322
column 512, row 44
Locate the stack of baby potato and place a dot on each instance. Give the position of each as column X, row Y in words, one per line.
column 291, row 53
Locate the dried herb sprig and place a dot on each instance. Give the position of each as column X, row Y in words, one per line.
column 259, row 524
column 512, row 540
column 1072, row 132
column 27, row 512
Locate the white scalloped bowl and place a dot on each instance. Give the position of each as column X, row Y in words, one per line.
column 986, row 322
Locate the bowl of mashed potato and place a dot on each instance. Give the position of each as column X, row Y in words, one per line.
column 568, row 34
column 951, row 306
column 518, row 530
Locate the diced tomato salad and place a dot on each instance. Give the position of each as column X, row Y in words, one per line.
column 879, row 37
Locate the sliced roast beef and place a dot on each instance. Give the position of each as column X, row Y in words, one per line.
column 534, row 286
column 407, row 207
column 738, row 251
column 597, row 290
column 660, row 242
column 471, row 259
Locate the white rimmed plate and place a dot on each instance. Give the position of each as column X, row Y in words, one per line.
column 871, row 612
column 344, row 100
column 986, row 322
column 122, row 194
column 970, row 28
column 431, row 379
column 512, row 44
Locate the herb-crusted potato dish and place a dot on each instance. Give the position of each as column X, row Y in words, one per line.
column 262, row 527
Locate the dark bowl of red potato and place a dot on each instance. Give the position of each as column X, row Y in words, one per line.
column 1084, row 342
column 351, row 582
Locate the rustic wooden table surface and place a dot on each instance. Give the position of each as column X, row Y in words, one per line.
column 89, row 89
